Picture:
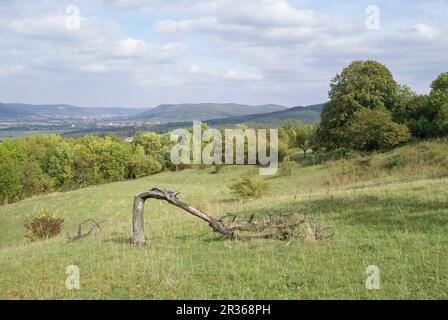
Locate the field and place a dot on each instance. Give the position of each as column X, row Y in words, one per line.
column 393, row 217
column 18, row 134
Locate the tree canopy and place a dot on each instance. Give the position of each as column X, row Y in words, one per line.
column 361, row 85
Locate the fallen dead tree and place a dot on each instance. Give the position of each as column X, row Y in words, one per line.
column 274, row 227
column 93, row 225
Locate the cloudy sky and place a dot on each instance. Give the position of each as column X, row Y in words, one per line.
column 143, row 53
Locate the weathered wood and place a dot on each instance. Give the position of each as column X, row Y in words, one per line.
column 138, row 227
column 138, row 238
column 80, row 235
column 283, row 227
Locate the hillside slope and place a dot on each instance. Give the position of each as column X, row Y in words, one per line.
column 11, row 111
column 395, row 218
column 306, row 115
column 202, row 111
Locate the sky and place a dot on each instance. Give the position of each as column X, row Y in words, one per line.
column 141, row 53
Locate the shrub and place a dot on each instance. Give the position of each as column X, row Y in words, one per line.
column 286, row 168
column 341, row 154
column 371, row 130
column 44, row 226
column 320, row 156
column 249, row 187
column 395, row 161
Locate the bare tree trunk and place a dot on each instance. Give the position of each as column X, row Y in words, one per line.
column 138, row 227
column 283, row 226
column 138, row 237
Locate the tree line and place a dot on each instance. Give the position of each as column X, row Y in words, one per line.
column 46, row 163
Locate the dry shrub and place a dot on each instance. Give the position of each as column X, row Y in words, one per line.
column 44, row 226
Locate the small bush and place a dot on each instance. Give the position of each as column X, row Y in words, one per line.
column 396, row 161
column 44, row 226
column 249, row 188
column 318, row 157
column 321, row 156
column 286, row 168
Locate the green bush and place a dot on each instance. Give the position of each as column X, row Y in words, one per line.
column 321, row 156
column 395, row 161
column 44, row 226
column 318, row 157
column 371, row 130
column 249, row 187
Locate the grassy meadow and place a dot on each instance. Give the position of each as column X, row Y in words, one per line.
column 394, row 217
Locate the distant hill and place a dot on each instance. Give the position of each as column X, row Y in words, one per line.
column 28, row 111
column 307, row 115
column 203, row 111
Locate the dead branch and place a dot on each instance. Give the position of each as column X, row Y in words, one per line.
column 279, row 227
column 80, row 235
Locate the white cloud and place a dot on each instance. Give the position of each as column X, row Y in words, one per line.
column 157, row 51
column 95, row 68
column 11, row 70
column 207, row 74
column 267, row 22
column 135, row 48
column 51, row 53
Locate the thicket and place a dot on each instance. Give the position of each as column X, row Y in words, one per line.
column 47, row 163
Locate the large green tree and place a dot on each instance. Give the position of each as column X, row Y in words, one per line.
column 361, row 85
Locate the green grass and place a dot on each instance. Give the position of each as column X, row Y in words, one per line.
column 19, row 134
column 396, row 219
